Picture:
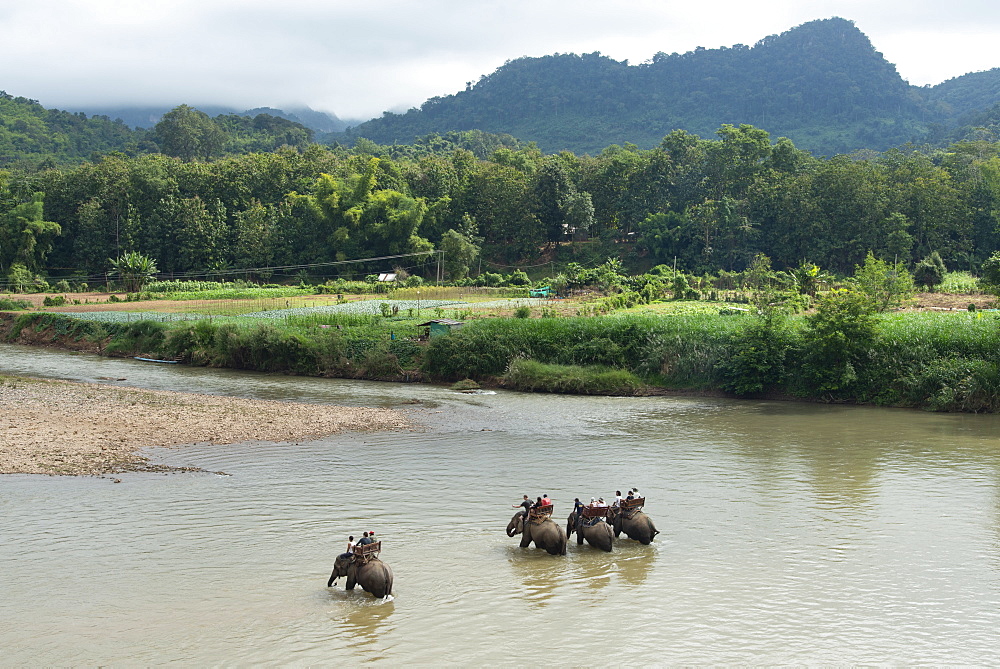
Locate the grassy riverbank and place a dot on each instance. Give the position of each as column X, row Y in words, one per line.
column 936, row 361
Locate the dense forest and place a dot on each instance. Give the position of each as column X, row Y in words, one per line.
column 32, row 137
column 822, row 84
column 491, row 202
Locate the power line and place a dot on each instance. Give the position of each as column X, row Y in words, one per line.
column 280, row 269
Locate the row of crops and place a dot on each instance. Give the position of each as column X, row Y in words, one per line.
column 401, row 308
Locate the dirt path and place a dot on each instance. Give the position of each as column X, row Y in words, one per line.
column 67, row 428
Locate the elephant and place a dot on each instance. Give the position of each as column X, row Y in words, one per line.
column 546, row 534
column 373, row 576
column 598, row 535
column 638, row 526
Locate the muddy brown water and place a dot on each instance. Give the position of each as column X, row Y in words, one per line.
column 791, row 533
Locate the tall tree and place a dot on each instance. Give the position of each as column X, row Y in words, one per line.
column 186, row 133
column 25, row 236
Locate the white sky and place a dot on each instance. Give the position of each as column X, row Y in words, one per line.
column 359, row 58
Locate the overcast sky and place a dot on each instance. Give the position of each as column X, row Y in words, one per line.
column 359, row 58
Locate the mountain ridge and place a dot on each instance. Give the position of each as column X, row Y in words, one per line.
column 823, row 84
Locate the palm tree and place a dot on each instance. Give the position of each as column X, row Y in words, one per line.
column 134, row 269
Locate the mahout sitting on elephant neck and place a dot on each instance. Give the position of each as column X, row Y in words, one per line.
column 543, row 531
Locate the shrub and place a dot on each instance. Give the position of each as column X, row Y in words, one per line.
column 836, row 339
column 137, row 338
column 531, row 375
column 522, row 312
column 54, row 301
column 518, row 278
column 7, row 304
column 756, row 363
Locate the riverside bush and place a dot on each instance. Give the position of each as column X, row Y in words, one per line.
column 534, row 376
column 140, row 337
column 757, row 357
column 642, row 344
column 942, row 362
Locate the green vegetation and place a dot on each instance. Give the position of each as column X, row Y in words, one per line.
column 822, row 84
column 700, row 205
column 7, row 304
column 534, row 376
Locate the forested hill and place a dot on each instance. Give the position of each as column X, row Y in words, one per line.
column 33, row 137
column 822, row 84
column 29, row 133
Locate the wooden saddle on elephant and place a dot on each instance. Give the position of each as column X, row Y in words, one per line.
column 367, row 552
column 594, row 512
column 538, row 514
column 630, row 507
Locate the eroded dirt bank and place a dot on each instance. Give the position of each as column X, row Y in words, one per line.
column 69, row 428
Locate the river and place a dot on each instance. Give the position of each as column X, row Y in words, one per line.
column 790, row 534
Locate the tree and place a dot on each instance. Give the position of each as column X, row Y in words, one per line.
column 458, row 253
column 990, row 273
column 929, row 272
column 836, row 340
column 134, row 270
column 885, row 284
column 25, row 237
column 187, row 133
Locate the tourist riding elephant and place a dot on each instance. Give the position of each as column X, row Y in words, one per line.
column 546, row 534
column 598, row 535
column 373, row 576
column 639, row 526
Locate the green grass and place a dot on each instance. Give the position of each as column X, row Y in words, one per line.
column 534, row 376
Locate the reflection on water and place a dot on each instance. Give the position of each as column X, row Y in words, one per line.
column 365, row 621
column 790, row 533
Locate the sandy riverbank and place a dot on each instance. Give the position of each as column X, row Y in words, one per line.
column 68, row 428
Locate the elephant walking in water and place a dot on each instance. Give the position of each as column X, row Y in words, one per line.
column 373, row 575
column 546, row 534
column 636, row 525
column 597, row 532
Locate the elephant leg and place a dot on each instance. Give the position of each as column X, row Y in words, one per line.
column 579, row 538
column 526, row 538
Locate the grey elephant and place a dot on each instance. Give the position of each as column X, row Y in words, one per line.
column 546, row 534
column 598, row 535
column 373, row 575
column 636, row 525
